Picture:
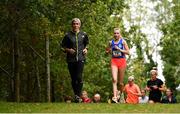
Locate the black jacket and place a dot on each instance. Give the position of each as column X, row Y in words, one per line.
column 70, row 41
column 166, row 100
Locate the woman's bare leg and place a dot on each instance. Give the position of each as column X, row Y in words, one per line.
column 121, row 78
column 114, row 70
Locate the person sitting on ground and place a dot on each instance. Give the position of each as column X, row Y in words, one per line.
column 68, row 99
column 169, row 97
column 132, row 90
column 85, row 98
column 96, row 98
column 143, row 98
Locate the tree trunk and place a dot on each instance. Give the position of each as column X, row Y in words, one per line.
column 16, row 64
column 48, row 69
column 15, row 49
column 12, row 90
column 38, row 82
column 52, row 90
column 29, row 87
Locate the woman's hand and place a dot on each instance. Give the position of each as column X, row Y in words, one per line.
column 108, row 50
column 116, row 47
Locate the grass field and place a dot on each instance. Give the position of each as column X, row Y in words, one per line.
column 87, row 108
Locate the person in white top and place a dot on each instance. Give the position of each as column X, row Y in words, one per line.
column 143, row 98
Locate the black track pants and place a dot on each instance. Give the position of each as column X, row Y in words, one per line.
column 75, row 70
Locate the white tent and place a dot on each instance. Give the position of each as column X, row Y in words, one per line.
column 178, row 88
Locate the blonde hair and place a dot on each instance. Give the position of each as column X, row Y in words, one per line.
column 131, row 78
column 153, row 71
column 117, row 29
column 77, row 20
column 84, row 92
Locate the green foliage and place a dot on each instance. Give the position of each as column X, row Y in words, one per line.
column 32, row 20
column 178, row 96
column 171, row 48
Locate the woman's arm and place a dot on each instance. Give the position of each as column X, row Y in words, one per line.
column 126, row 51
column 162, row 88
column 108, row 48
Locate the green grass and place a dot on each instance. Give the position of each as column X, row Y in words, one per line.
column 87, row 108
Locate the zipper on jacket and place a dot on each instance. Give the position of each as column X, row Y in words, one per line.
column 76, row 46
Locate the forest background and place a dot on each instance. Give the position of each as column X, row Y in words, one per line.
column 33, row 67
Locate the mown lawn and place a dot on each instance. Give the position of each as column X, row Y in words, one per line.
column 87, row 108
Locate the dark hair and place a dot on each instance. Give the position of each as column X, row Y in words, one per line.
column 143, row 90
column 171, row 90
column 66, row 98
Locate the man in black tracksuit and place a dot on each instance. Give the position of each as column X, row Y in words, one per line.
column 75, row 45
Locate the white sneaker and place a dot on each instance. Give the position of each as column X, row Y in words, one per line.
column 121, row 99
column 114, row 99
column 118, row 95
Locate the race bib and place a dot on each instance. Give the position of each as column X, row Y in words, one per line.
column 116, row 53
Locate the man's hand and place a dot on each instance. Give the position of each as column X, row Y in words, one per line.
column 71, row 51
column 84, row 51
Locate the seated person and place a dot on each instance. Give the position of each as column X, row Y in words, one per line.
column 132, row 90
column 96, row 98
column 143, row 98
column 169, row 98
column 85, row 98
column 68, row 99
